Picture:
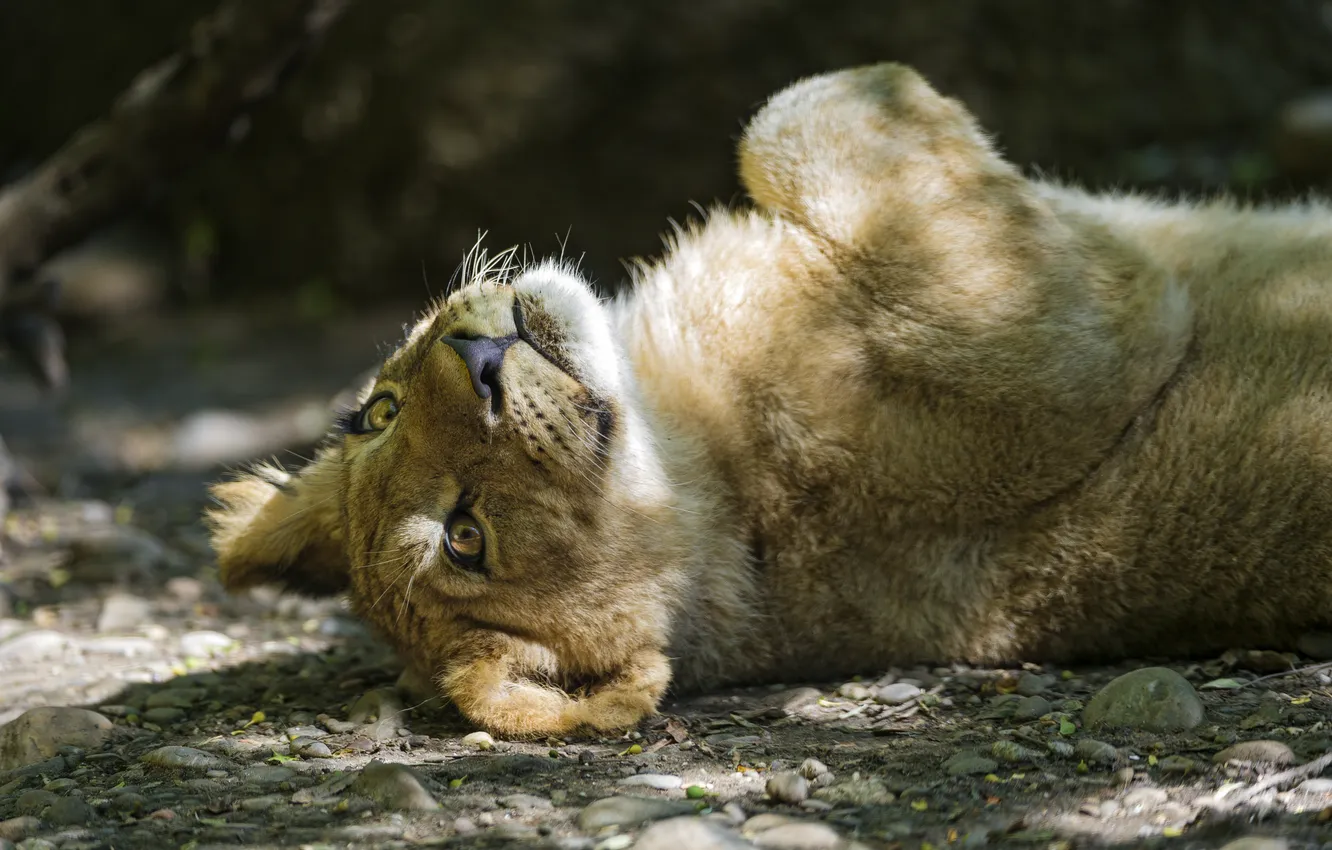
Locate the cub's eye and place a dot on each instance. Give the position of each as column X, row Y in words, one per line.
column 377, row 413
column 465, row 539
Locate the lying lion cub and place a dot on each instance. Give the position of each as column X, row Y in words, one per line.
column 911, row 407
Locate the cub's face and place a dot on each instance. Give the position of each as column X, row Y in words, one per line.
column 493, row 489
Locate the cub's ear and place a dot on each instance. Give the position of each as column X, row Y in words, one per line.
column 275, row 527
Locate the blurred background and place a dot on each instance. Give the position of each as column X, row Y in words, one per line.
column 217, row 323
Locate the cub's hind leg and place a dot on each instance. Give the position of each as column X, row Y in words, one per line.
column 1020, row 337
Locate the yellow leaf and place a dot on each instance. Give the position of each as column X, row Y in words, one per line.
column 1301, row 700
column 919, row 805
column 1172, row 832
column 1151, row 760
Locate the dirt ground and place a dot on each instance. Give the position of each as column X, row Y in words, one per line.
column 109, row 601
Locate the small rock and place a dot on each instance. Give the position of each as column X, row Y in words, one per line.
column 1031, row 707
column 39, row 645
column 1092, row 750
column 68, row 811
column 394, row 786
column 1031, row 684
column 525, row 802
column 1257, row 842
column 1063, row 749
column 60, row 786
column 164, row 716
column 1177, row 765
column 267, row 774
column 626, row 811
column 1145, row 797
column 185, row 758
column 204, row 644
column 788, row 787
column 123, row 612
column 380, row 710
column 260, row 804
column 33, row 802
column 17, row 829
column 1012, row 752
column 856, row 792
column 688, row 833
column 896, row 693
column 1266, row 752
column 659, row 781
column 1154, row 699
column 799, row 836
column 480, row 740
column 175, row 698
column 970, row 764
column 464, row 826
column 812, row 768
column 310, row 748
column 129, row 804
column 854, row 691
column 39, row 733
column 1316, row 645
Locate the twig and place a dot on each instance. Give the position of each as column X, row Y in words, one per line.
column 1276, row 780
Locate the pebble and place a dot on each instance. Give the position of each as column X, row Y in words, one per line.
column 128, row 803
column 856, row 792
column 1257, row 842
column 479, row 740
column 970, row 764
column 1012, row 752
column 33, row 802
column 164, row 716
column 1031, row 684
column 687, row 833
column 394, row 786
column 175, row 698
column 464, row 826
column 788, row 787
column 60, row 786
column 185, row 758
column 812, row 768
column 896, row 693
column 1177, row 765
column 525, row 802
column 123, row 612
column 799, row 836
column 1092, row 750
column 1266, row 752
column 39, row 733
column 626, row 811
column 853, row 691
column 1145, row 798
column 1031, row 708
column 68, row 811
column 204, row 644
column 1316, row 645
column 1153, row 699
column 659, row 781
column 310, row 748
column 267, row 774
column 260, row 804
column 17, row 829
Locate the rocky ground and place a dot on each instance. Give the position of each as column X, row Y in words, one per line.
column 147, row 709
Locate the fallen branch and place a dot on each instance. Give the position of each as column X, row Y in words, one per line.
column 1276, row 780
column 167, row 118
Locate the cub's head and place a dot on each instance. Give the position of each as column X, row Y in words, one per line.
column 494, row 499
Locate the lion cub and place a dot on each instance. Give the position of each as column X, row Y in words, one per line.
column 910, row 407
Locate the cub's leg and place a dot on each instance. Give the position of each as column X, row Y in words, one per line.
column 1020, row 340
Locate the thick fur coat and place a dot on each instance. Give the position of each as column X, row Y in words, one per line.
column 909, row 406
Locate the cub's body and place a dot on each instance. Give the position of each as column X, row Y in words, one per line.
column 910, row 407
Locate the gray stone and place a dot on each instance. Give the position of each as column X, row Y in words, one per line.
column 39, row 733
column 688, row 833
column 854, row 690
column 1317, row 785
column 627, row 811
column 812, row 768
column 1031, row 684
column 40, row 645
column 394, row 786
column 788, row 787
column 123, row 612
column 1257, row 842
column 17, row 829
column 185, row 758
column 1012, row 752
column 659, row 781
column 525, row 802
column 896, row 694
column 1153, row 699
column 1092, row 750
column 267, row 774
column 1316, row 645
column 970, row 764
column 310, row 748
column 1266, row 752
column 479, row 740
column 164, row 716
column 799, row 836
column 68, row 811
column 856, row 792
column 175, row 698
column 260, row 804
column 203, row 644
column 1032, row 707
column 33, row 802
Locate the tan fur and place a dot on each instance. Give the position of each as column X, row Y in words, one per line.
column 910, row 407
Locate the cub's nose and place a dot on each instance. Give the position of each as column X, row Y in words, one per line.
column 483, row 356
